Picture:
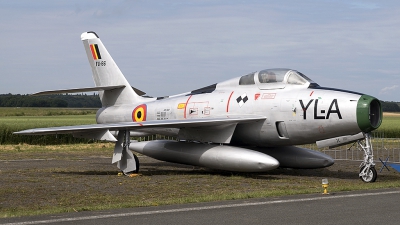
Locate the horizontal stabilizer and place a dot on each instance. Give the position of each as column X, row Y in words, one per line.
column 339, row 141
column 77, row 90
column 88, row 89
column 139, row 92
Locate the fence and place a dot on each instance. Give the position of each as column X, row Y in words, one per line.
column 384, row 148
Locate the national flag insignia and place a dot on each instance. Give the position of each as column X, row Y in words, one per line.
column 95, row 51
column 256, row 96
column 139, row 113
column 242, row 99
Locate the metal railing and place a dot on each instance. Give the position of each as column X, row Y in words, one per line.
column 384, row 148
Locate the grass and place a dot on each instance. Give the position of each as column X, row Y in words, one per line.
column 25, row 152
column 71, row 178
column 42, row 117
column 31, row 111
column 27, row 122
column 390, row 125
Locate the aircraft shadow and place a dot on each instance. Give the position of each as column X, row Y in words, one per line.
column 171, row 169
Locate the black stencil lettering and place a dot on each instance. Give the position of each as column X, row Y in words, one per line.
column 337, row 111
column 316, row 111
column 305, row 108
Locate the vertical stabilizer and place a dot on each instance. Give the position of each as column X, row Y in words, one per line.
column 106, row 73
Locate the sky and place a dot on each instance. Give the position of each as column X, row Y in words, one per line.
column 170, row 47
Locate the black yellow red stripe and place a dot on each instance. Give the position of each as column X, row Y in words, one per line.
column 95, row 51
column 139, row 113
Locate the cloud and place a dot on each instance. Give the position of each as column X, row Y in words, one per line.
column 364, row 5
column 387, row 90
column 160, row 44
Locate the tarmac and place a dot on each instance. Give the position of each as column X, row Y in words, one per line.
column 356, row 207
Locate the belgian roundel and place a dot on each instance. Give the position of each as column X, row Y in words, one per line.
column 139, row 113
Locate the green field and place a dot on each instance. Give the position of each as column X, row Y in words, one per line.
column 21, row 111
column 16, row 119
column 390, row 127
column 27, row 122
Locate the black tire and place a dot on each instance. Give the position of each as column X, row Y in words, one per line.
column 371, row 175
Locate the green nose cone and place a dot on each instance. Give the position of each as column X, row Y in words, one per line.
column 369, row 113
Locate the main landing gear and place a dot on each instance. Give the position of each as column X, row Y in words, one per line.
column 127, row 162
column 367, row 168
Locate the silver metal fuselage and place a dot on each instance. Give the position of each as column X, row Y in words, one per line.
column 295, row 114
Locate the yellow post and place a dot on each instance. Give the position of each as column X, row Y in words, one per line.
column 325, row 185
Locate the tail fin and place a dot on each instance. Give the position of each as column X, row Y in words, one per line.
column 106, row 73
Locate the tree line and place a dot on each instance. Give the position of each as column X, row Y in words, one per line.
column 390, row 106
column 58, row 101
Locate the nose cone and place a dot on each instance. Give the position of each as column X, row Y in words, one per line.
column 369, row 113
column 266, row 163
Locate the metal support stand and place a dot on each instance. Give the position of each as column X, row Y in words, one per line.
column 367, row 172
column 384, row 164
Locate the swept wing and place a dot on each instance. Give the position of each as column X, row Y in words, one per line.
column 191, row 128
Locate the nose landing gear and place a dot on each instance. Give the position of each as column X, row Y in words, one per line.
column 367, row 172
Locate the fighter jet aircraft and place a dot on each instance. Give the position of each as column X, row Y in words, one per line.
column 249, row 123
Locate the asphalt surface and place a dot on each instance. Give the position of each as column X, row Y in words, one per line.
column 357, row 207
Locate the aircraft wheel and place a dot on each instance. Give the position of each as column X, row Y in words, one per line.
column 370, row 175
column 137, row 167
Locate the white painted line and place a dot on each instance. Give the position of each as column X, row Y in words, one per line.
column 198, row 208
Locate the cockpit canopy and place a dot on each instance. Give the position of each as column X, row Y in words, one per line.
column 277, row 78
